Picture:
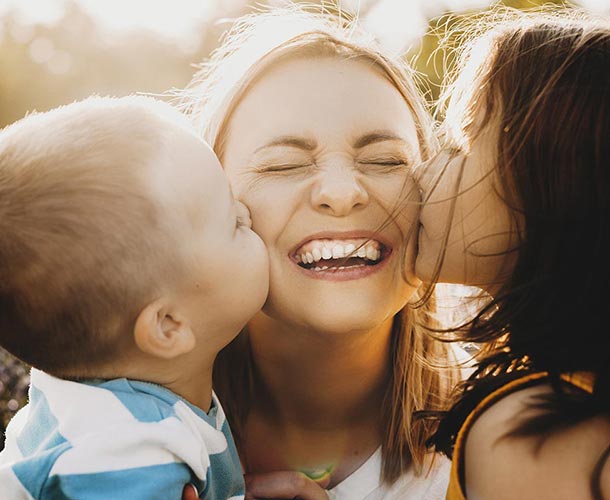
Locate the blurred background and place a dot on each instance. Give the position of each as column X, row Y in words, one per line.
column 56, row 51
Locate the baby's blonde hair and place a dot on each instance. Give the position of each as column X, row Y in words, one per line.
column 82, row 245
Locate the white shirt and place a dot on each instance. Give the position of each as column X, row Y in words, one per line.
column 365, row 482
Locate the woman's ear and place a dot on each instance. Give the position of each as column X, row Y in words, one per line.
column 161, row 331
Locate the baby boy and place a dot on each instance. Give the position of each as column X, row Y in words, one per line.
column 125, row 266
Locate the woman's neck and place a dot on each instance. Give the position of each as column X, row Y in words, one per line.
column 305, row 374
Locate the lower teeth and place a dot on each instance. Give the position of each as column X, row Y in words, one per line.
column 324, row 268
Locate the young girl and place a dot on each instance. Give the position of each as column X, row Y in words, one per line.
column 530, row 225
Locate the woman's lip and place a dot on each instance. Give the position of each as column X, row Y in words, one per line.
column 342, row 235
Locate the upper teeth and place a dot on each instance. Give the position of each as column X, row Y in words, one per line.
column 315, row 250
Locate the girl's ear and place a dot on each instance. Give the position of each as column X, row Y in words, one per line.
column 161, row 331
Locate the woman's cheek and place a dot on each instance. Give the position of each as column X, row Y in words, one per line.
column 270, row 212
column 399, row 197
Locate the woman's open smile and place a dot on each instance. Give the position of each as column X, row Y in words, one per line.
column 341, row 256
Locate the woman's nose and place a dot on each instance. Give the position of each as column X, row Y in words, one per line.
column 337, row 192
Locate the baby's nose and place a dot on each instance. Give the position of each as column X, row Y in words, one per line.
column 244, row 214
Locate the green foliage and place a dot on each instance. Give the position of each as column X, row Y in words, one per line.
column 433, row 64
column 94, row 62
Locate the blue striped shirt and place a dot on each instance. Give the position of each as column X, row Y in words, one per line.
column 116, row 439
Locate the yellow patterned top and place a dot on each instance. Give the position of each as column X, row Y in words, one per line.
column 455, row 491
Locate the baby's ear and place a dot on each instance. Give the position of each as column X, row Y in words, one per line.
column 161, row 331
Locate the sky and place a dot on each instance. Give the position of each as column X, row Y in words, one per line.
column 173, row 18
column 395, row 21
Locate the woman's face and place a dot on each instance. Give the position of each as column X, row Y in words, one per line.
column 463, row 197
column 321, row 150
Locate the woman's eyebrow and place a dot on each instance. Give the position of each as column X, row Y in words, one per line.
column 377, row 136
column 291, row 141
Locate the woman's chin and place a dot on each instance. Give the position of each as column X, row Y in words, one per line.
column 334, row 317
column 345, row 324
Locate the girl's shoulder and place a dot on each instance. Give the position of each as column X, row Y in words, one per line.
column 558, row 464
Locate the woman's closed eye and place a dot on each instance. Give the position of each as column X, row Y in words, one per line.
column 284, row 167
column 385, row 163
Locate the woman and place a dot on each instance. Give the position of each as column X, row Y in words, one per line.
column 530, row 114
column 320, row 133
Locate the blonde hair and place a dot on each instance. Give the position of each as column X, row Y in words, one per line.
column 77, row 227
column 254, row 43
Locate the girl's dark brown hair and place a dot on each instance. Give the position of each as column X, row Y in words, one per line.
column 544, row 82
